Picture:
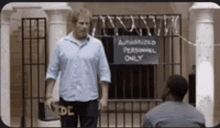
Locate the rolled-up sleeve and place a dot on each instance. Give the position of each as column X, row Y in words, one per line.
column 103, row 66
column 54, row 68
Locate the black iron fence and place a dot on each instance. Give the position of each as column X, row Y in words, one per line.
column 34, row 65
column 137, row 85
column 126, row 112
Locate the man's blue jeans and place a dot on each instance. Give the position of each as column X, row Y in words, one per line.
column 86, row 111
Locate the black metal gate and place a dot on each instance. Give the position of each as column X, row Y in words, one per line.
column 135, row 85
column 34, row 62
column 134, row 88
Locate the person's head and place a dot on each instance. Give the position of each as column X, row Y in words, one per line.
column 81, row 17
column 175, row 89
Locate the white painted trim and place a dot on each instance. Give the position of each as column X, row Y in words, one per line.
column 25, row 5
column 47, row 8
column 204, row 5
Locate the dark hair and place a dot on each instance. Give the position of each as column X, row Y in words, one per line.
column 178, row 86
column 74, row 14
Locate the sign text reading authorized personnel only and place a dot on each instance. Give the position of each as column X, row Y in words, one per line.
column 135, row 50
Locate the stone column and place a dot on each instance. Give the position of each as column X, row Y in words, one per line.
column 205, row 93
column 57, row 28
column 5, row 66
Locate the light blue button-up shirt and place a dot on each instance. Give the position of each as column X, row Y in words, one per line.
column 79, row 65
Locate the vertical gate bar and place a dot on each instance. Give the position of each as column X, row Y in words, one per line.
column 148, row 84
column 140, row 112
column 99, row 29
column 96, row 24
column 140, row 28
column 116, row 71
column 38, row 61
column 107, row 27
column 106, row 30
column 108, row 115
column 45, row 48
column 23, row 79
column 155, row 86
column 131, row 84
column 31, row 73
column 140, row 84
column 164, row 54
column 148, row 105
column 123, row 32
column 156, row 82
column 116, row 114
column 114, row 21
column 107, row 43
column 124, row 125
column 116, row 108
column 132, row 97
column 180, row 30
column 172, row 52
column 123, row 98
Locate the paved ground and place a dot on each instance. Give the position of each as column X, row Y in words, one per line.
column 16, row 121
column 104, row 119
column 144, row 106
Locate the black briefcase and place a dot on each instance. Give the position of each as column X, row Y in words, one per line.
column 48, row 115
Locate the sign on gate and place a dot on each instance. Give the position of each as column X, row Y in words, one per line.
column 135, row 50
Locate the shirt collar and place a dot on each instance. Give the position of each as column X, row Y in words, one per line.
column 174, row 102
column 70, row 37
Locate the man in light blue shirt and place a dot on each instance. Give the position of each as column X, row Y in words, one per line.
column 80, row 59
column 173, row 112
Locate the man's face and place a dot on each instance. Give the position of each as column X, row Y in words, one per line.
column 82, row 27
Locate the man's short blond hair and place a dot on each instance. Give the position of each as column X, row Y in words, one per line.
column 78, row 11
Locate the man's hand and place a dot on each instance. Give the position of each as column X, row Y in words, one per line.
column 50, row 104
column 103, row 104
